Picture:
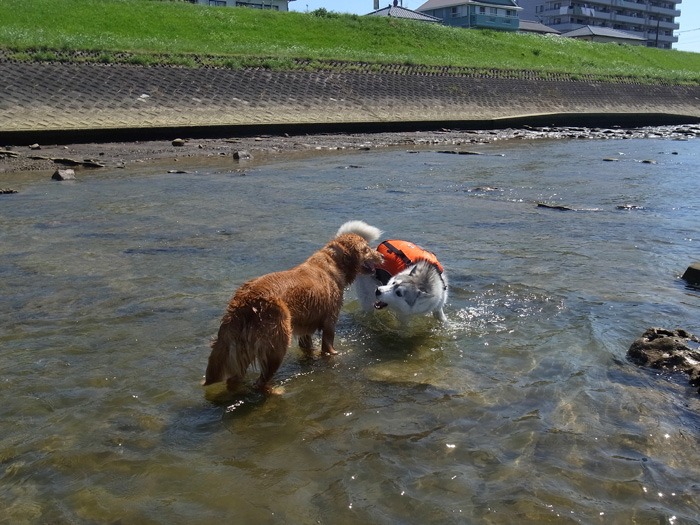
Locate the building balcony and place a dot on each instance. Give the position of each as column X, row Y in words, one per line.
column 673, row 13
column 651, row 36
column 478, row 21
column 663, row 25
column 639, row 20
column 636, row 6
column 635, row 20
column 597, row 17
column 497, row 22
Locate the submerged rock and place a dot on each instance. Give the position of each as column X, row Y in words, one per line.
column 554, row 206
column 672, row 350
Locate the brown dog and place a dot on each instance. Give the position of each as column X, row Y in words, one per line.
column 266, row 312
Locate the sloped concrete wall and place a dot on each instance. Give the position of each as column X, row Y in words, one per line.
column 36, row 97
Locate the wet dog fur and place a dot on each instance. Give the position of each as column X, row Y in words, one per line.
column 266, row 312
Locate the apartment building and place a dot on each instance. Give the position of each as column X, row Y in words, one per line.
column 652, row 20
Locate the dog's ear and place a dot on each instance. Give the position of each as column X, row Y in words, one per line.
column 346, row 249
column 337, row 251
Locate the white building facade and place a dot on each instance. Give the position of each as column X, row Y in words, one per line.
column 652, row 20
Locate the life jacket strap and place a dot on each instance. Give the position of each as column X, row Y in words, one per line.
column 399, row 253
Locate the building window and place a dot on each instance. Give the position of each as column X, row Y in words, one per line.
column 454, row 12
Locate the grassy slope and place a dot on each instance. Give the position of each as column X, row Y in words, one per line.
column 152, row 27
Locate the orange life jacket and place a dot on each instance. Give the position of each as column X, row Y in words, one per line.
column 398, row 255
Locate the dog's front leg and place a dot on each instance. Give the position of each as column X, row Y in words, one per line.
column 440, row 315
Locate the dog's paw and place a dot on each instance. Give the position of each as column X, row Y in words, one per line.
column 276, row 391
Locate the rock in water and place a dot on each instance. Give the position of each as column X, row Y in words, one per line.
column 672, row 350
column 692, row 274
column 63, row 174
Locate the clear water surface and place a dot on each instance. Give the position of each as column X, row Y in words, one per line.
column 523, row 409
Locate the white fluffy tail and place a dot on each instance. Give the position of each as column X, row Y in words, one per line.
column 361, row 228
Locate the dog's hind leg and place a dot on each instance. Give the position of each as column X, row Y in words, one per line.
column 217, row 366
column 271, row 344
column 305, row 343
column 273, row 362
column 227, row 362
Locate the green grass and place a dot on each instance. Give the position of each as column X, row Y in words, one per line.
column 180, row 33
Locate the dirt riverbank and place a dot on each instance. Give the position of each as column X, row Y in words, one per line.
column 268, row 147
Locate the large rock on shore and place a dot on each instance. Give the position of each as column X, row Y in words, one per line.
column 672, row 350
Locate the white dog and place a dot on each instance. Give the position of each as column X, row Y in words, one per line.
column 410, row 281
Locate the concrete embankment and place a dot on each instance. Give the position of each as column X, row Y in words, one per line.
column 92, row 102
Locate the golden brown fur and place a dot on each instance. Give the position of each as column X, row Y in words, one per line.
column 266, row 312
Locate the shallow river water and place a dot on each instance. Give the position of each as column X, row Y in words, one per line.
column 522, row 409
